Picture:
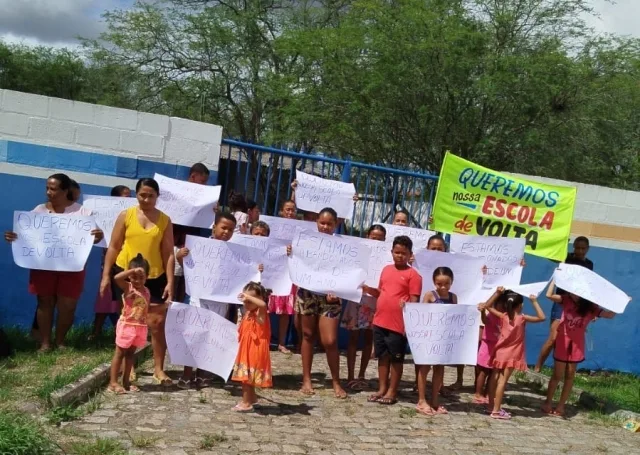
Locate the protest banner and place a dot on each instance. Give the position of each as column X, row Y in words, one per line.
column 105, row 210
column 285, row 228
column 589, row 285
column 501, row 256
column 315, row 193
column 467, row 273
column 441, row 334
column 274, row 260
column 472, row 199
column 329, row 264
column 217, row 270
column 199, row 338
column 186, row 203
column 419, row 237
column 51, row 241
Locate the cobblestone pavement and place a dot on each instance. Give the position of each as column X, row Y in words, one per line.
column 179, row 422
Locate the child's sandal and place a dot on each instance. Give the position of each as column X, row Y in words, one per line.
column 184, row 384
column 500, row 415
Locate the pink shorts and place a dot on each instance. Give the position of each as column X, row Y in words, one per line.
column 128, row 335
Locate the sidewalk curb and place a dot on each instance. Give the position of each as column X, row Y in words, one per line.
column 585, row 399
column 83, row 387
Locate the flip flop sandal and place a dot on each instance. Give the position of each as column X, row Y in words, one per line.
column 133, row 389
column 555, row 413
column 374, row 398
column 441, row 410
column 118, row 391
column 426, row 411
column 480, row 401
column 387, row 401
column 307, row 392
column 501, row 415
column 242, row 410
column 183, row 384
column 360, row 385
column 341, row 396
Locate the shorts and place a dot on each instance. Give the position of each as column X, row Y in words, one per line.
column 556, row 312
column 388, row 342
column 310, row 304
column 47, row 283
column 358, row 316
column 128, row 335
column 156, row 286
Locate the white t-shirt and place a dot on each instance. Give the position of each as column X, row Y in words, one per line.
column 242, row 219
column 73, row 208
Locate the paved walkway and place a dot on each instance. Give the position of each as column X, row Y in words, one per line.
column 178, row 422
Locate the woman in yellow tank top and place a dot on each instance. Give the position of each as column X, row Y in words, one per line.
column 145, row 230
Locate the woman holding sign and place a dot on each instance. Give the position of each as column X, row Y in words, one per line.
column 54, row 289
column 145, row 230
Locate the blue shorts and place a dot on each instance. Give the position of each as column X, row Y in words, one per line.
column 556, row 312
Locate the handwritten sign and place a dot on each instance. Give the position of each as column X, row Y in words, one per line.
column 442, row 334
column 501, row 255
column 467, row 273
column 105, row 210
column 589, row 285
column 526, row 290
column 379, row 259
column 217, row 270
column 285, row 228
column 329, row 264
column 186, row 203
column 199, row 338
column 274, row 260
column 419, row 237
column 48, row 241
column 315, row 193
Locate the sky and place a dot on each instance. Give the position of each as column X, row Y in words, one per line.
column 59, row 22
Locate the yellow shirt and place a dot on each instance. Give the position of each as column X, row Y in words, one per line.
column 144, row 241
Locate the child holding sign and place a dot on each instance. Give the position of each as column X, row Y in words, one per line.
column 399, row 283
column 253, row 362
column 131, row 330
column 488, row 341
column 442, row 280
column 569, row 350
column 509, row 351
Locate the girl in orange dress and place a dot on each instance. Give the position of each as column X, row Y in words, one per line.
column 253, row 363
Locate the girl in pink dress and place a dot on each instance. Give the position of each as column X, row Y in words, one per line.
column 508, row 354
column 577, row 313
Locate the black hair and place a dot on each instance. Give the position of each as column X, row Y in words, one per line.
column 64, row 183
column 377, row 227
column 446, row 271
column 75, row 185
column 437, row 237
column 404, row 241
column 139, row 261
column 512, row 301
column 582, row 238
column 117, row 190
column 330, row 211
column 225, row 216
column 151, row 183
column 259, row 289
column 584, row 306
column 237, row 202
column 261, row 224
column 251, row 204
column 199, row 168
column 403, row 211
column 288, row 201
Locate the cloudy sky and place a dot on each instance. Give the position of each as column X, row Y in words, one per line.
column 59, row 22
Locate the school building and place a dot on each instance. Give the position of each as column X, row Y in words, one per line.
column 101, row 147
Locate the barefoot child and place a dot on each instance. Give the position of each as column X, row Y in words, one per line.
column 399, row 283
column 442, row 280
column 131, row 330
column 569, row 350
column 253, row 363
column 509, row 353
column 357, row 318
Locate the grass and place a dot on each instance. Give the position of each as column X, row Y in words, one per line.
column 22, row 435
column 142, row 442
column 98, row 447
column 209, row 441
column 407, row 413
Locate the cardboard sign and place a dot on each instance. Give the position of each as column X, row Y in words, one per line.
column 186, row 203
column 315, row 193
column 285, row 228
column 105, row 210
column 420, row 237
column 589, row 285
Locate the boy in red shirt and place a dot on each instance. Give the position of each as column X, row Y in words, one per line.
column 399, row 283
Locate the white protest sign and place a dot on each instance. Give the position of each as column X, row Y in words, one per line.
column 315, row 193
column 285, row 228
column 467, row 273
column 199, row 338
column 589, row 285
column 419, row 237
column 501, row 255
column 329, row 264
column 51, row 241
column 526, row 290
column 186, row 203
column 274, row 260
column 217, row 270
column 441, row 334
column 105, row 210
column 379, row 259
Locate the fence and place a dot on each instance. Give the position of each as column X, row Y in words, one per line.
column 265, row 174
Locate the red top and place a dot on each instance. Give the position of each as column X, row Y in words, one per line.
column 570, row 341
column 395, row 286
column 509, row 350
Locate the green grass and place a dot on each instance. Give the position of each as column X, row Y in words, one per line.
column 98, row 447
column 22, row 435
column 209, row 441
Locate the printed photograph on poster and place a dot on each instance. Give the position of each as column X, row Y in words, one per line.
column 199, row 338
column 419, row 237
column 441, row 334
column 105, row 210
column 186, row 203
column 315, row 193
column 51, row 241
column 285, row 228
column 329, row 264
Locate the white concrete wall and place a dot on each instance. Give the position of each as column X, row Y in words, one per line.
column 87, row 127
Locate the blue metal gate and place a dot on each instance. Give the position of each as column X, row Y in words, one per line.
column 265, row 174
